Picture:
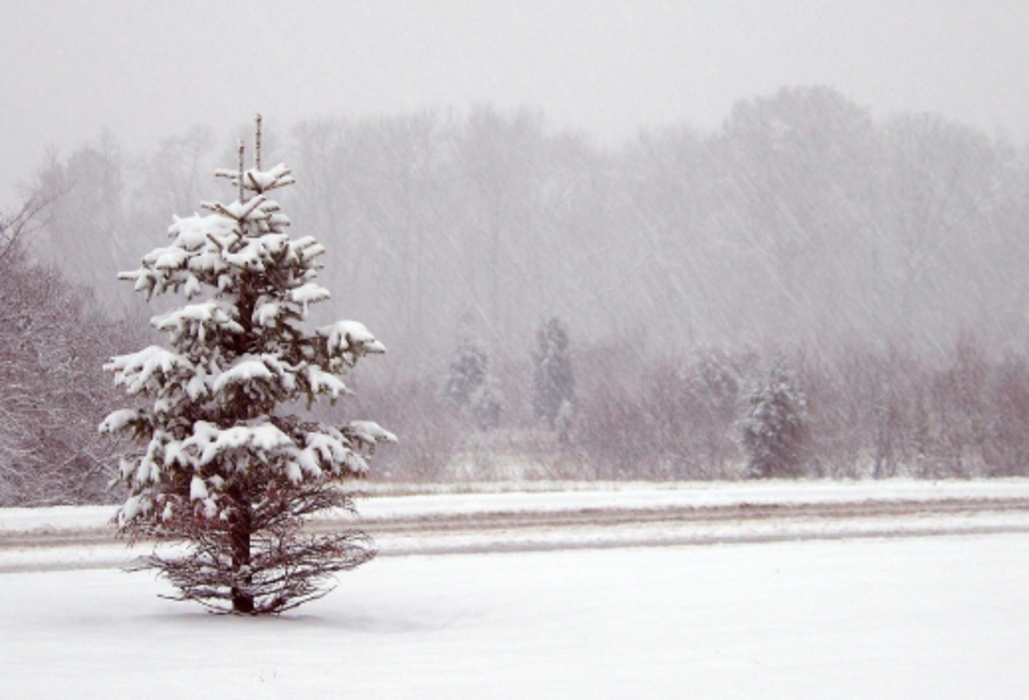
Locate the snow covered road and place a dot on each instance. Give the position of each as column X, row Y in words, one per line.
column 626, row 515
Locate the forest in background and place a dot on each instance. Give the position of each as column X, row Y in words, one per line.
column 807, row 290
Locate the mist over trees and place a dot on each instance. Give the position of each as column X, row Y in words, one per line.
column 881, row 256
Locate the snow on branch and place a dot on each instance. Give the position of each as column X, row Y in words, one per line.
column 225, row 466
column 196, row 321
column 257, row 180
column 369, row 433
column 148, row 370
column 350, row 337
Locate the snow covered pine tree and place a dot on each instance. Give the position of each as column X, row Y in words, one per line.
column 226, row 467
column 775, row 426
column 553, row 383
column 469, row 385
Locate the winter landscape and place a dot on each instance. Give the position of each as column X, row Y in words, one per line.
column 893, row 601
column 692, row 354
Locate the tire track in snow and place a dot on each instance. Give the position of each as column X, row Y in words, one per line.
column 594, row 528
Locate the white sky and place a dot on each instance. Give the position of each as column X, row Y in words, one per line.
column 151, row 69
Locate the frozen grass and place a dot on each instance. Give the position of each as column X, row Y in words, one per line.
column 919, row 618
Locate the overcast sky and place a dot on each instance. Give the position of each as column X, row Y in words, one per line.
column 151, row 69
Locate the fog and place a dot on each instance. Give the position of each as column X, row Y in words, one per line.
column 702, row 201
column 607, row 67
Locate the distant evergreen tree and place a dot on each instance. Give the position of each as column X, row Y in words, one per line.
column 553, row 383
column 714, row 390
column 467, row 370
column 469, row 385
column 226, row 467
column 775, row 427
column 488, row 405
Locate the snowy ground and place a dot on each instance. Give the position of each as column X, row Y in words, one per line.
column 863, row 617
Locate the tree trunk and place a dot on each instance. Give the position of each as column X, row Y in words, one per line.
column 242, row 522
column 242, row 594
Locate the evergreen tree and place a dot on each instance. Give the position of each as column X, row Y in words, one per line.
column 488, row 404
column 553, row 382
column 469, row 366
column 775, row 427
column 226, row 466
column 469, row 385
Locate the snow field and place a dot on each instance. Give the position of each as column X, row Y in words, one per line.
column 900, row 618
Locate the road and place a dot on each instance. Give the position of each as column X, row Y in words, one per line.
column 593, row 527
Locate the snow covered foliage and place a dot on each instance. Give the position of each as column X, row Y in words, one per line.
column 553, row 384
column 469, row 385
column 224, row 465
column 467, row 371
column 52, row 342
column 775, row 426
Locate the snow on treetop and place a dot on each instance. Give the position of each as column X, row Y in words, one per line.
column 191, row 232
column 260, row 180
column 238, row 236
column 251, row 210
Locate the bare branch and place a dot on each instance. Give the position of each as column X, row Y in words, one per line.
column 13, row 227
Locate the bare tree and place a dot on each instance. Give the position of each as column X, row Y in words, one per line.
column 51, row 342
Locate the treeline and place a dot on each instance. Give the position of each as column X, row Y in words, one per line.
column 801, row 221
column 53, row 341
column 862, row 414
column 877, row 263
column 715, row 414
